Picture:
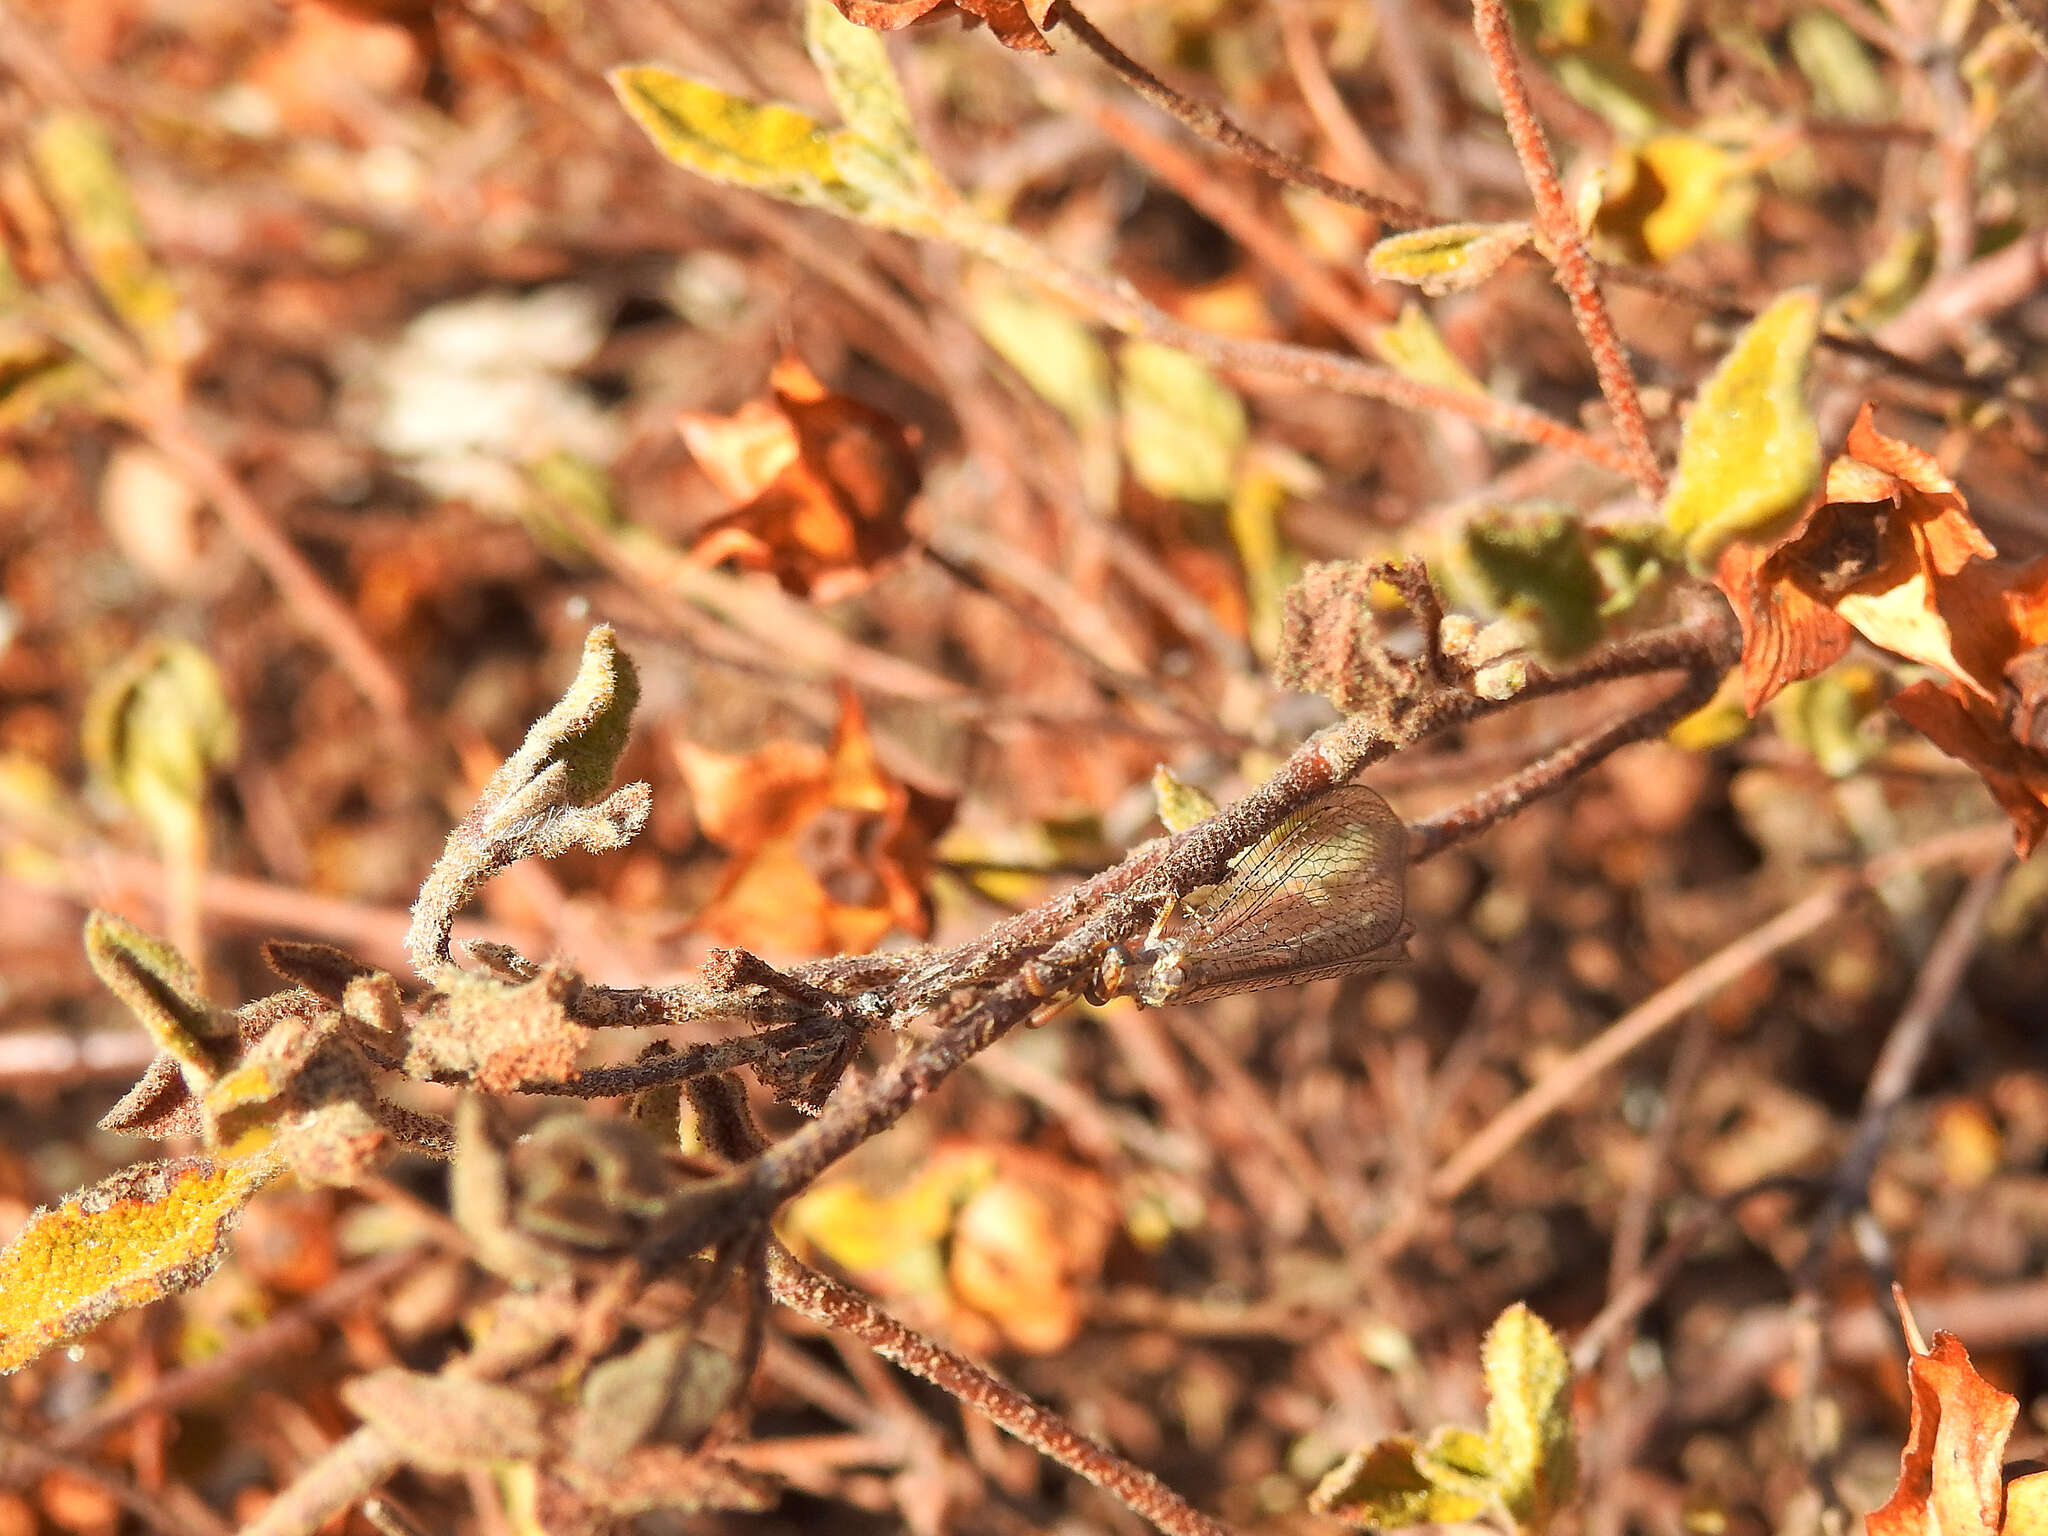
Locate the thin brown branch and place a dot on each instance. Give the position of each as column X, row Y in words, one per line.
column 825, row 1300
column 1211, row 123
column 1566, row 246
column 351, row 1467
column 1216, row 127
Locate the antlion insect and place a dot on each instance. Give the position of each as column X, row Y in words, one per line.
column 1320, row 895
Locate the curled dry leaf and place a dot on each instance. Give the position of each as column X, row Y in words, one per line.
column 1018, row 24
column 499, row 1034
column 825, row 483
column 1951, row 1477
column 147, row 1232
column 829, row 852
column 1889, row 551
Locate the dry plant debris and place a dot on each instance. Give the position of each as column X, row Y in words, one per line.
column 587, row 597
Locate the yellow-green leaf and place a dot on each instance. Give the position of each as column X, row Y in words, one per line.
column 157, row 726
column 1531, row 1448
column 75, row 160
column 1831, row 715
column 1054, row 350
column 1447, row 258
column 149, row 1231
column 1182, row 427
column 1750, row 455
column 158, row 985
column 1381, row 1488
column 1670, row 191
column 1717, row 722
column 863, row 86
column 1534, row 565
column 764, row 145
column 1414, row 348
column 1181, row 804
column 1847, row 84
column 1458, row 1461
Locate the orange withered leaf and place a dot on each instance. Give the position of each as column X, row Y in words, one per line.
column 1964, row 727
column 825, row 481
column 1882, row 552
column 1951, row 1479
column 1018, row 24
column 830, row 851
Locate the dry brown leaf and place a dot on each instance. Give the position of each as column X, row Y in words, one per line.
column 830, row 852
column 1018, row 24
column 825, row 480
column 1951, row 1481
column 1882, row 553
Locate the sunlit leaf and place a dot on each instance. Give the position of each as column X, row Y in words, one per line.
column 1183, row 428
column 764, row 145
column 1447, row 258
column 1847, row 84
column 157, row 727
column 150, row 1231
column 1414, row 348
column 1532, row 1449
column 1951, row 1480
column 74, row 158
column 1380, row 1488
column 160, row 989
column 1667, row 192
column 1750, row 455
column 1181, row 804
column 863, row 86
column 1053, row 349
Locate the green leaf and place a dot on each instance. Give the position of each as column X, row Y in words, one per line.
column 1381, row 1488
column 150, row 1231
column 1447, row 258
column 1414, row 348
column 1750, row 458
column 1181, row 804
column 1182, row 427
column 1534, row 565
column 764, row 145
column 1532, row 1450
column 1270, row 568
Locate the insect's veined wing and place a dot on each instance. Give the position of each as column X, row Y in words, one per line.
column 1319, row 895
column 1205, row 977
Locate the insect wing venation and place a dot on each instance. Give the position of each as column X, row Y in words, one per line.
column 1322, row 895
